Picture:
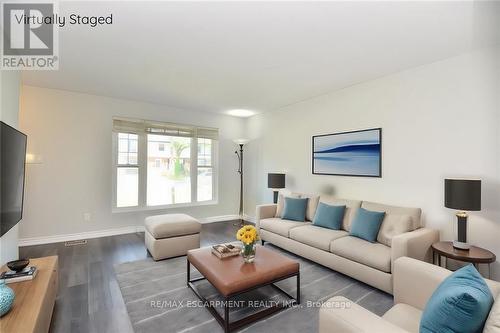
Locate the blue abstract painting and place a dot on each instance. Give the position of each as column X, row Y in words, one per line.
column 356, row 153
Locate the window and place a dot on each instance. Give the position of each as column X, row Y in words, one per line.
column 162, row 164
column 205, row 171
column 127, row 171
column 169, row 183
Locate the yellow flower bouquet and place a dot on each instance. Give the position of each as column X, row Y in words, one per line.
column 248, row 235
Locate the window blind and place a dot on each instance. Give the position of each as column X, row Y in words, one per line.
column 163, row 128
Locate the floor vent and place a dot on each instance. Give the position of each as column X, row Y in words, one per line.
column 76, row 242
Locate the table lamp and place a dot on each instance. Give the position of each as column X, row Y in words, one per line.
column 463, row 195
column 275, row 181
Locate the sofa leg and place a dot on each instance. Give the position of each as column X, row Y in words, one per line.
column 262, row 241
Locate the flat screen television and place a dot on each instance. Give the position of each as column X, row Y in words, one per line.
column 12, row 166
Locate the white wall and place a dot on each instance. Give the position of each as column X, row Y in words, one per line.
column 72, row 134
column 9, row 114
column 438, row 120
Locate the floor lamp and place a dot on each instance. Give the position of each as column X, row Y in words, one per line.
column 241, row 143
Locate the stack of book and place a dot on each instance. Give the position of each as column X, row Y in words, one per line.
column 225, row 250
column 28, row 273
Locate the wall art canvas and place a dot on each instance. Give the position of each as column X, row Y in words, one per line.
column 355, row 153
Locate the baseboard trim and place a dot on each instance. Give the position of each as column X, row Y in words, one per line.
column 249, row 218
column 222, row 218
column 81, row 235
column 106, row 232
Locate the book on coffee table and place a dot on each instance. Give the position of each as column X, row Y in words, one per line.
column 28, row 273
column 225, row 250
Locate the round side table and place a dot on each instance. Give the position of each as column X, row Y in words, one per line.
column 474, row 255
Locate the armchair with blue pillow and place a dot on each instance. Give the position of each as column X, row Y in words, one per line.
column 428, row 299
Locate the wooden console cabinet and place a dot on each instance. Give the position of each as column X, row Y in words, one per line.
column 35, row 299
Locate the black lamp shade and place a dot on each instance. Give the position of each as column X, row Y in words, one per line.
column 462, row 194
column 276, row 180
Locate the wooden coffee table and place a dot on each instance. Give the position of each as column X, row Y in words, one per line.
column 232, row 277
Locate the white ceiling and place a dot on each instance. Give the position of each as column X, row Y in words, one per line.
column 255, row 55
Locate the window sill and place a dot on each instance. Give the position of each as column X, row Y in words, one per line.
column 163, row 207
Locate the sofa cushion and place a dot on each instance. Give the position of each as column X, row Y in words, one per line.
column 461, row 303
column 493, row 322
column 375, row 255
column 414, row 213
column 312, row 204
column 171, row 225
column 393, row 225
column 280, row 226
column 281, row 201
column 317, row 237
column 295, row 209
column 351, row 208
column 328, row 216
column 366, row 224
column 405, row 316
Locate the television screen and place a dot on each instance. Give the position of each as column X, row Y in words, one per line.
column 12, row 164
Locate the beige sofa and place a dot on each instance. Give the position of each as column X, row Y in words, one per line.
column 414, row 283
column 401, row 234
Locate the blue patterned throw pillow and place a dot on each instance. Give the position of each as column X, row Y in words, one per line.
column 460, row 304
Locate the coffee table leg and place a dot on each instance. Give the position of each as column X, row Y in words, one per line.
column 298, row 288
column 226, row 315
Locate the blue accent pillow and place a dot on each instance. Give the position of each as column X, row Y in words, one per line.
column 461, row 303
column 295, row 209
column 366, row 224
column 328, row 216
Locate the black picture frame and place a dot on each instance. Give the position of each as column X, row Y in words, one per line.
column 379, row 175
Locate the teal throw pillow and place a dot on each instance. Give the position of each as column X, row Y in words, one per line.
column 460, row 304
column 366, row 224
column 329, row 216
column 295, row 209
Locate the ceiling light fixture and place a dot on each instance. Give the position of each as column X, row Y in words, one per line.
column 240, row 113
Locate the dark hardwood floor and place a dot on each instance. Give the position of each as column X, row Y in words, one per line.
column 89, row 299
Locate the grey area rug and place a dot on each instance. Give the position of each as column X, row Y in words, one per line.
column 158, row 299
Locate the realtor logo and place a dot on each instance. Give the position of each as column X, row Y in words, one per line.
column 29, row 36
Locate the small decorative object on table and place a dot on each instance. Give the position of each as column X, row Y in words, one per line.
column 26, row 274
column 18, row 265
column 6, row 298
column 222, row 251
column 248, row 236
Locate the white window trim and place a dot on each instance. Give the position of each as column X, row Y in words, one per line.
column 142, row 147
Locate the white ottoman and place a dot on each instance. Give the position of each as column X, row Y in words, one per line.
column 171, row 235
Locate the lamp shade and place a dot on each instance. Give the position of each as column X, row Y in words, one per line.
column 241, row 141
column 276, row 180
column 462, row 194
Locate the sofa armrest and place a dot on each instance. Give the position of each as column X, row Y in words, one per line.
column 341, row 315
column 264, row 212
column 414, row 244
column 414, row 281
